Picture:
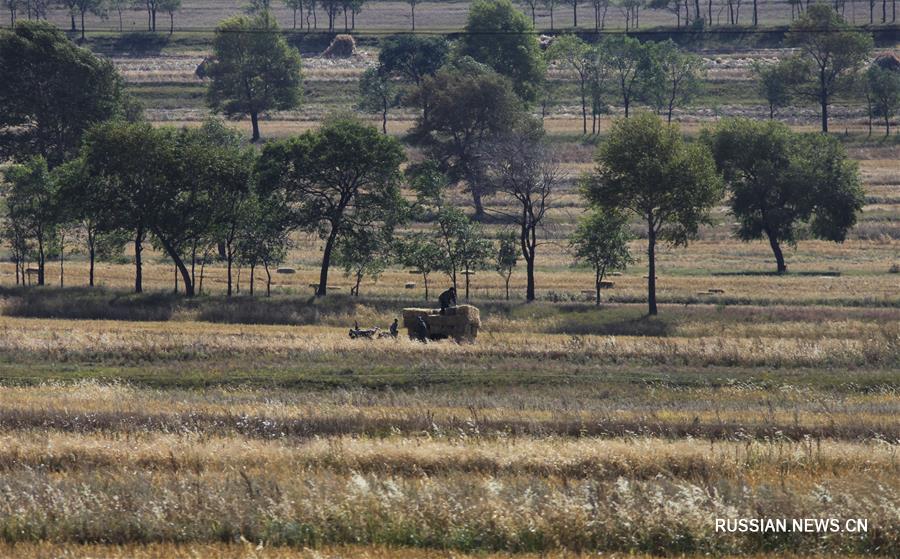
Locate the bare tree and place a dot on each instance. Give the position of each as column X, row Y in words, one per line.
column 524, row 168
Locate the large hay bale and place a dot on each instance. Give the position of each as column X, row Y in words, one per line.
column 341, row 47
column 460, row 323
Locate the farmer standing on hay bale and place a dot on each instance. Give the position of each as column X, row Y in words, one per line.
column 447, row 299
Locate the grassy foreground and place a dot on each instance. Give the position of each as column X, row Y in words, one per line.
column 566, row 429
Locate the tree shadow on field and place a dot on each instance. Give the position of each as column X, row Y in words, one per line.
column 140, row 42
column 760, row 273
column 84, row 303
column 611, row 322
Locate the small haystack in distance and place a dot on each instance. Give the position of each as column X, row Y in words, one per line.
column 460, row 323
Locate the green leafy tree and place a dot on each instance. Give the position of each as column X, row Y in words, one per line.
column 780, row 181
column 507, row 257
column 412, row 12
column 33, row 207
column 624, row 57
column 377, row 94
column 295, row 6
column 884, row 85
column 524, row 169
column 645, row 167
column 170, row 7
column 469, row 106
column 77, row 90
column 831, row 51
column 573, row 52
column 422, row 253
column 550, row 5
column 412, row 58
column 343, row 176
column 362, row 254
column 84, row 204
column 474, row 252
column 96, row 7
column 601, row 241
column 501, row 36
column 460, row 240
column 208, row 199
column 671, row 77
column 532, row 6
column 265, row 238
column 774, row 84
column 128, row 163
column 152, row 6
column 253, row 69
column 119, row 6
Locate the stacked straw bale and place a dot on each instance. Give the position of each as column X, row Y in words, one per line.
column 460, row 323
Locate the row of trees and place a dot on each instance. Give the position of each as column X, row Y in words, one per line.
column 187, row 191
column 474, row 128
column 305, row 12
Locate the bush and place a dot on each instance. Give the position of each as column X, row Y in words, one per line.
column 341, row 47
column 894, row 269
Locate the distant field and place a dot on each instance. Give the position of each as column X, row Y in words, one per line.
column 446, row 15
column 153, row 426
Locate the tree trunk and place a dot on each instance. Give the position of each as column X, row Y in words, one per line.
column 171, row 22
column 138, row 272
column 468, row 275
column 509, row 275
column 72, row 16
column 651, row 274
column 412, row 10
column 229, row 257
column 92, row 253
column 824, row 104
column 583, row 107
column 82, row 26
column 268, row 280
column 384, row 115
column 41, row 262
column 254, row 122
column 476, row 199
column 154, row 20
column 597, row 280
column 62, row 259
column 179, row 267
column 574, row 13
column 252, row 277
column 776, row 250
column 175, row 290
column 202, row 270
column 322, row 290
column 425, row 281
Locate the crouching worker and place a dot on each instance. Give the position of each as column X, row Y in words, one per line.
column 447, row 299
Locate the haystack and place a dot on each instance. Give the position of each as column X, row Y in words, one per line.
column 460, row 323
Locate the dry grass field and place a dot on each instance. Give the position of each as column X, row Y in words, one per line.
column 442, row 15
column 156, row 427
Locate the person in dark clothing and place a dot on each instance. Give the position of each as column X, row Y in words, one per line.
column 447, row 299
column 395, row 328
column 421, row 329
